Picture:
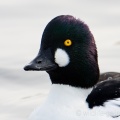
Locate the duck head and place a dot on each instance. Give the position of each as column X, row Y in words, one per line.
column 67, row 53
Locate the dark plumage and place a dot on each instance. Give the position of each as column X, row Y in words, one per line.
column 83, row 70
column 104, row 91
column 109, row 76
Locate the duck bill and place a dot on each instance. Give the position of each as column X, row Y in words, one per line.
column 43, row 62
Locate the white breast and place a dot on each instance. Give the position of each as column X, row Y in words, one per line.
column 68, row 103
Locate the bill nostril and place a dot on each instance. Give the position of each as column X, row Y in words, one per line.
column 38, row 62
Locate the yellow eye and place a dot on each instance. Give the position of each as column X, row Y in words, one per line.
column 68, row 42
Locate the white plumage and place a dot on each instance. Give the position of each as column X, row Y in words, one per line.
column 68, row 103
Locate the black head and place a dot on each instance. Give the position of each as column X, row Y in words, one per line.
column 68, row 53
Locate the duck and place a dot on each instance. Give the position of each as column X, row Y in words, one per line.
column 68, row 53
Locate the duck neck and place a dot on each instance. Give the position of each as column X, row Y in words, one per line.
column 84, row 78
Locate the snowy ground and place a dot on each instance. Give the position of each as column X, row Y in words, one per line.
column 21, row 25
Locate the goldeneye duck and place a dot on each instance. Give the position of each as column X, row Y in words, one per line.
column 68, row 54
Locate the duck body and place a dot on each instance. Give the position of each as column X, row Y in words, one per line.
column 67, row 103
column 63, row 102
column 68, row 54
column 109, row 76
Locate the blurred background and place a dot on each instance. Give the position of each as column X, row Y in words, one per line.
column 21, row 26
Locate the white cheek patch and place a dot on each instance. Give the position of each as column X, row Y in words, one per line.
column 61, row 57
